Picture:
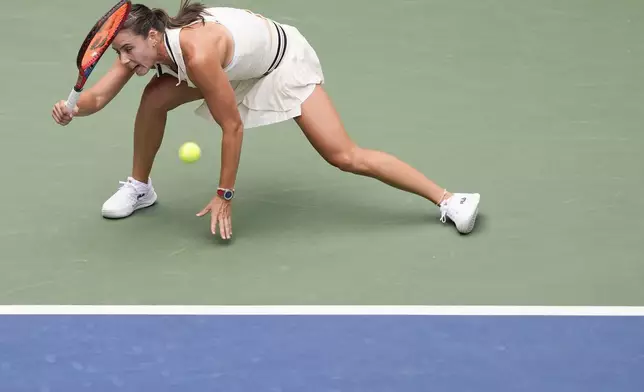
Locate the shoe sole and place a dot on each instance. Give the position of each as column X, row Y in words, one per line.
column 119, row 214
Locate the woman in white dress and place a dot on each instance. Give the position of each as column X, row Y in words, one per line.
column 248, row 71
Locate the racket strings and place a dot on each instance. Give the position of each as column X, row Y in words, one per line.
column 99, row 43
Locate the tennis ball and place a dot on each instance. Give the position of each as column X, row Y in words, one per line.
column 189, row 152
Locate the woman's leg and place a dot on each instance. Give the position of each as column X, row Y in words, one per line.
column 322, row 126
column 160, row 96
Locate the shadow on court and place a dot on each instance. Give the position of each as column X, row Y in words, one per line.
column 280, row 214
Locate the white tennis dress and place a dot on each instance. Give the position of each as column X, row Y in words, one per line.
column 273, row 70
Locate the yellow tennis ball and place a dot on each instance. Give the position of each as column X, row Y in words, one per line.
column 189, row 152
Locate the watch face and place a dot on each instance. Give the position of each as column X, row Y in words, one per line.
column 226, row 194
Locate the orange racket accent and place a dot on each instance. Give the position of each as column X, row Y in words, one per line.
column 105, row 35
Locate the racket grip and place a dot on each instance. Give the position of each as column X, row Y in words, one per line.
column 72, row 99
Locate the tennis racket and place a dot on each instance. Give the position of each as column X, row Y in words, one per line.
column 96, row 44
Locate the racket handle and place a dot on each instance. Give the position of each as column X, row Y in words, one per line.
column 72, row 99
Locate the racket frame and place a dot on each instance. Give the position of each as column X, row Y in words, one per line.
column 84, row 71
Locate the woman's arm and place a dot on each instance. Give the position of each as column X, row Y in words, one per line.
column 204, row 56
column 102, row 92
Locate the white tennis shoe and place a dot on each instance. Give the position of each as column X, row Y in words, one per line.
column 130, row 197
column 462, row 209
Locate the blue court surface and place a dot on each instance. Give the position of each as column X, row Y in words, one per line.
column 257, row 349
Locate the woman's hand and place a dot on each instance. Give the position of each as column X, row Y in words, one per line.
column 61, row 114
column 220, row 210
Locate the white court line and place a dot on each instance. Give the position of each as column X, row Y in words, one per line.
column 322, row 310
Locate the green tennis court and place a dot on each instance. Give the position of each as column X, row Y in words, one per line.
column 534, row 104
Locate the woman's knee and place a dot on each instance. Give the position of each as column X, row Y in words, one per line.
column 350, row 160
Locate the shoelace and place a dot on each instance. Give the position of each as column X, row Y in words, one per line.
column 443, row 210
column 124, row 185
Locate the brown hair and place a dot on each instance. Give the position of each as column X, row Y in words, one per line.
column 141, row 18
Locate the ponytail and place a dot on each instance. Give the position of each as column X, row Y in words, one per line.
column 188, row 13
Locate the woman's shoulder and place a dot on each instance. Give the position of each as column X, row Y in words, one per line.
column 197, row 41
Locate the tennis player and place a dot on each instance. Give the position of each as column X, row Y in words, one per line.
column 248, row 71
